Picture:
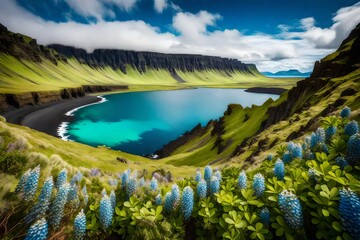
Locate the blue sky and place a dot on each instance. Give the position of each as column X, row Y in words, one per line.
column 275, row 35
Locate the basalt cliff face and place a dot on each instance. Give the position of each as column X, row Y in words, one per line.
column 118, row 59
column 335, row 82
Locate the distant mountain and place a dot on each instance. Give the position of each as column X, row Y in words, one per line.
column 289, row 73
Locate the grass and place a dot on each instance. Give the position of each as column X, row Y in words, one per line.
column 19, row 76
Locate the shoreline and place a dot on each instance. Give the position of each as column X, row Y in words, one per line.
column 53, row 118
column 48, row 117
column 271, row 90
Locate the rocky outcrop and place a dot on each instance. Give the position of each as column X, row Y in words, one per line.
column 345, row 60
column 8, row 101
column 24, row 47
column 118, row 59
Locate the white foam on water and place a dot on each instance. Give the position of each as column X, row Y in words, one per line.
column 64, row 126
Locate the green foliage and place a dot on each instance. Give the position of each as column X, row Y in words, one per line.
column 12, row 162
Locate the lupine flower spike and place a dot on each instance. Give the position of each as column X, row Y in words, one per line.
column 175, row 196
column 259, row 184
column 158, row 199
column 21, row 184
column 187, row 202
column 201, row 189
column 80, row 226
column 279, row 169
column 41, row 207
column 351, row 128
column 208, row 173
column 31, row 184
column 106, row 212
column 153, row 185
column 131, row 187
column 38, row 231
column 214, row 185
column 168, row 202
column 349, row 209
column 61, row 179
column 198, row 176
column 345, row 112
column 242, row 180
column 265, row 216
column 57, row 208
column 290, row 206
column 353, row 150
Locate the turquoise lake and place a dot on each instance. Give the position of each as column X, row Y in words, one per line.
column 142, row 122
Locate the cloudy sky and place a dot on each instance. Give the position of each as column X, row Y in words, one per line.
column 275, row 35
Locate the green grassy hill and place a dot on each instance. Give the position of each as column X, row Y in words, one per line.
column 243, row 135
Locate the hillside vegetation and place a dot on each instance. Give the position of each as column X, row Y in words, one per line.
column 243, row 135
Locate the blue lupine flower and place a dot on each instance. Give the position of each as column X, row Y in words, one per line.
column 208, row 173
column 61, row 179
column 349, row 209
column 31, row 184
column 265, row 216
column 41, row 207
column 131, row 187
column 73, row 193
column 351, row 128
column 330, row 132
column 242, row 180
column 286, row 157
column 341, row 161
column 124, row 179
column 317, row 138
column 279, row 169
column 57, row 207
column 21, row 184
column 158, row 199
column 290, row 206
column 142, row 182
column 290, row 146
column 345, row 112
column 113, row 199
column 80, row 226
column 113, row 182
column 85, row 195
column 175, row 196
column 168, row 202
column 258, row 184
column 187, row 202
column 201, row 189
column 198, row 176
column 76, row 178
column 106, row 212
column 214, row 185
column 353, row 150
column 307, row 142
column 269, row 157
column 153, row 185
column 218, row 175
column 38, row 231
column 312, row 175
column 296, row 151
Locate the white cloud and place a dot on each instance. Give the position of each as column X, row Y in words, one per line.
column 344, row 21
column 99, row 8
column 160, row 5
column 291, row 49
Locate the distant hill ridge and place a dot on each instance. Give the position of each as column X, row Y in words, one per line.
column 291, row 72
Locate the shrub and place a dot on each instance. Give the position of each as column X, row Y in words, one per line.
column 12, row 162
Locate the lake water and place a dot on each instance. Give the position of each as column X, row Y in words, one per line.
column 142, row 122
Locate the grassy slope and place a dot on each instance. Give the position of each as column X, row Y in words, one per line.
column 199, row 151
column 18, row 76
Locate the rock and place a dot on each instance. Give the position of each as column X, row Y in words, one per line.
column 123, row 160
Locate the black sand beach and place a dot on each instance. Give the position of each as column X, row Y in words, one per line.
column 47, row 117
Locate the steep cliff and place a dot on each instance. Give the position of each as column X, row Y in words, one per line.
column 118, row 59
column 242, row 134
